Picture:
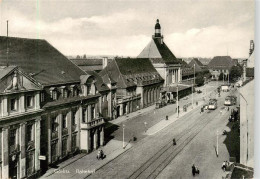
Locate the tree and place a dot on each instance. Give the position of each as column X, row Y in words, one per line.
column 84, row 56
column 235, row 73
column 221, row 76
column 199, row 80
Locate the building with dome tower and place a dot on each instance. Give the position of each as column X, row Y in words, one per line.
column 167, row 65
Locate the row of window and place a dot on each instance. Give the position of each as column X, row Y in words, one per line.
column 64, row 92
column 64, row 121
column 13, row 137
column 14, row 103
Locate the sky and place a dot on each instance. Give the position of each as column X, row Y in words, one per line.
column 191, row 28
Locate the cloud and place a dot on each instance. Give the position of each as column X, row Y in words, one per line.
column 211, row 41
column 207, row 29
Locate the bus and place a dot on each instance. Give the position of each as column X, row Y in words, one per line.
column 213, row 104
column 230, row 100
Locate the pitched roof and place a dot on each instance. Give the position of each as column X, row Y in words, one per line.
column 39, row 59
column 196, row 61
column 4, row 70
column 221, row 62
column 87, row 62
column 129, row 72
column 158, row 52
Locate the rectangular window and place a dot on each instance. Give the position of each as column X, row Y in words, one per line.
column 29, row 132
column 83, row 114
column 42, row 97
column 92, row 112
column 12, row 139
column 54, row 124
column 73, row 119
column 29, row 163
column 74, row 142
column 54, row 95
column 64, row 121
column 64, row 147
column 65, row 93
column 13, row 104
column 53, row 152
column 29, row 101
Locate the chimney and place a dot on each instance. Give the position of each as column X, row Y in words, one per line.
column 104, row 62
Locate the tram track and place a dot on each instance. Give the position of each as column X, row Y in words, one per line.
column 152, row 167
column 159, row 160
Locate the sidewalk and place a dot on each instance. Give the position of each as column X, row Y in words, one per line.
column 88, row 164
column 132, row 115
column 164, row 123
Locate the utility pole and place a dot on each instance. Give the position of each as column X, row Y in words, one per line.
column 217, row 143
column 193, row 84
column 123, row 136
column 7, row 48
column 177, row 101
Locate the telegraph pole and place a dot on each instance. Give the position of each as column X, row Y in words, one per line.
column 217, row 143
column 123, row 136
column 193, row 84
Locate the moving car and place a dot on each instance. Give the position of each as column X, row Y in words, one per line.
column 213, row 104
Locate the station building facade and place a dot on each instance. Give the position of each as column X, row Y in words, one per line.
column 138, row 84
column 49, row 108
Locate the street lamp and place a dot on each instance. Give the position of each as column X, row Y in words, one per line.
column 123, row 136
column 193, row 82
column 217, row 143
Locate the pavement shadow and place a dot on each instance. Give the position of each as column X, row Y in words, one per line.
column 232, row 140
column 109, row 130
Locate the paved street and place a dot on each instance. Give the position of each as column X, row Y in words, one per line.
column 143, row 156
column 197, row 147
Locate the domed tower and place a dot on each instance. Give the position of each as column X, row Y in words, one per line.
column 157, row 29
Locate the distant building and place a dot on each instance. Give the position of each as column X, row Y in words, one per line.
column 49, row 107
column 220, row 64
column 199, row 67
column 165, row 62
column 91, row 64
column 138, row 83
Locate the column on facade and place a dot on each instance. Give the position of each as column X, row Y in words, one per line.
column 79, row 119
column 59, row 144
column 22, row 142
column 69, row 124
column 49, row 137
column 37, row 100
column 102, row 136
column 179, row 74
column 121, row 109
column 88, row 112
column 95, row 139
column 5, row 153
column 176, row 74
column 5, row 106
column 144, row 98
column 37, row 131
column 21, row 103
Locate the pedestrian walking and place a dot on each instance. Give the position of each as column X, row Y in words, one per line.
column 193, row 170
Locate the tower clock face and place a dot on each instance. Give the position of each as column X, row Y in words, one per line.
column 157, row 31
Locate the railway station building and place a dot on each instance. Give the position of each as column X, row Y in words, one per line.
column 50, row 109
